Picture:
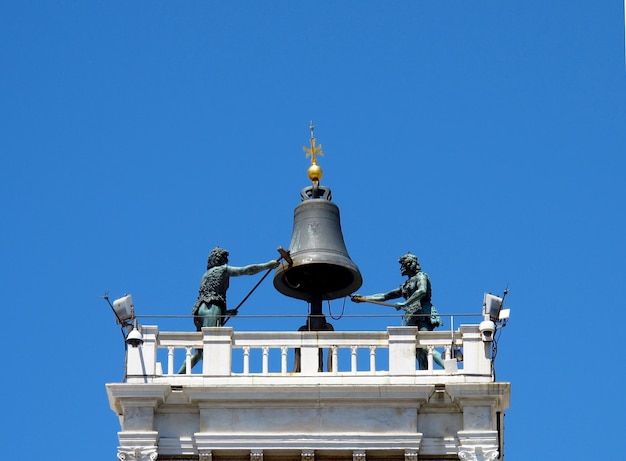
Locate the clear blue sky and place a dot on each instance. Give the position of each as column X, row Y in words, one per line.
column 486, row 137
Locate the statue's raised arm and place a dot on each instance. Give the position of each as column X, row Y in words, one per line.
column 252, row 268
column 377, row 298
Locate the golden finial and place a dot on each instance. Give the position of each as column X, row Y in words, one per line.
column 314, row 171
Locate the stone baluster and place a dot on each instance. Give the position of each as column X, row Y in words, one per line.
column 170, row 360
column 353, row 356
column 246, row 360
column 283, row 360
column 266, row 359
column 188, row 360
column 429, row 357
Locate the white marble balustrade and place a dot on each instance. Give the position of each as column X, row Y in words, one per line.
column 230, row 353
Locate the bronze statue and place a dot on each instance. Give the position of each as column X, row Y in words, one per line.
column 419, row 310
column 210, row 307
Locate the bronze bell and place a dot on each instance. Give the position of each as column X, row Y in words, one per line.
column 322, row 268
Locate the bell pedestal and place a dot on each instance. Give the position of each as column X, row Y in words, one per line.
column 316, row 321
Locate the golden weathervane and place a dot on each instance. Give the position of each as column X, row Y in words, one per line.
column 314, row 171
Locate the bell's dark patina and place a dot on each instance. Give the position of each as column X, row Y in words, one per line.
column 321, row 267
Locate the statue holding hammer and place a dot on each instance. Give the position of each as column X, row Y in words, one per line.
column 210, row 307
column 417, row 293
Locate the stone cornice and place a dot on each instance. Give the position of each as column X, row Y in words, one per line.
column 498, row 393
column 151, row 395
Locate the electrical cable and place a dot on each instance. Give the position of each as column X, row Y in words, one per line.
column 343, row 307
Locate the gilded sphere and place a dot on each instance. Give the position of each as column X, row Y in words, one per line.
column 315, row 172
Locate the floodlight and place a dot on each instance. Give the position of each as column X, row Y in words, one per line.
column 491, row 306
column 124, row 309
